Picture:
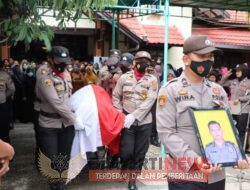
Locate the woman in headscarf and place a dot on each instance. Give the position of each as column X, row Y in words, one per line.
column 240, row 94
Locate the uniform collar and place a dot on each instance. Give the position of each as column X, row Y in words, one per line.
column 185, row 81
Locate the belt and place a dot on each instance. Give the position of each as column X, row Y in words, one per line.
column 50, row 115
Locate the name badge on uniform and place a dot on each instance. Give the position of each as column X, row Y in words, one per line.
column 182, row 92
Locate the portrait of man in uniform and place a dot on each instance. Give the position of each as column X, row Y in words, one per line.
column 220, row 150
column 217, row 136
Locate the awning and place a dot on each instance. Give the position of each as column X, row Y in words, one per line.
column 153, row 34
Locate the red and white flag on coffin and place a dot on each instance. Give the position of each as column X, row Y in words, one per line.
column 102, row 126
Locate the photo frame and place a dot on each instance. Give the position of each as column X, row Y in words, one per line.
column 217, row 136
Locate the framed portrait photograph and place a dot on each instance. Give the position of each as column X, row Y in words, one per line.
column 217, row 136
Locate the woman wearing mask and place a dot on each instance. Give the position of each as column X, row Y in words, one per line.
column 239, row 88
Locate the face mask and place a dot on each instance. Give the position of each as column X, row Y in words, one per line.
column 30, row 74
column 60, row 67
column 25, row 66
column 141, row 67
column 70, row 69
column 125, row 69
column 201, row 68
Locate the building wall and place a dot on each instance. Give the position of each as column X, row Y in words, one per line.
column 180, row 18
column 84, row 22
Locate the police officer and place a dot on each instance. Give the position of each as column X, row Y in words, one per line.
column 55, row 132
column 240, row 93
column 134, row 95
column 113, row 73
column 7, row 90
column 126, row 62
column 174, row 124
column 220, row 151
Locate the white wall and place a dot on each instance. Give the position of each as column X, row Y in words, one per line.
column 84, row 22
column 175, row 57
column 180, row 18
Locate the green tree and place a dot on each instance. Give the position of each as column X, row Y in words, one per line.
column 21, row 20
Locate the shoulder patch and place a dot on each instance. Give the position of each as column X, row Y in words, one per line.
column 162, row 100
column 169, row 82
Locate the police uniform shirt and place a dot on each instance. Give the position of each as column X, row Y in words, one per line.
column 7, row 87
column 239, row 90
column 227, row 152
column 174, row 123
column 54, row 93
column 136, row 97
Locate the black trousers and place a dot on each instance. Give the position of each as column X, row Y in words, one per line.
column 220, row 185
column 5, row 122
column 241, row 125
column 134, row 146
column 154, row 130
column 56, row 145
column 36, row 124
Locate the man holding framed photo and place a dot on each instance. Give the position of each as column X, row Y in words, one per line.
column 174, row 123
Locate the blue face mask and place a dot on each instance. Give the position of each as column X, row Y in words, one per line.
column 201, row 68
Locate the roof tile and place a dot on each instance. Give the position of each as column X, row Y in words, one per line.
column 154, row 33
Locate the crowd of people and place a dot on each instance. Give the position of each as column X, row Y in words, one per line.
column 40, row 93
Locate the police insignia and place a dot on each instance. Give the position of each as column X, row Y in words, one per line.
column 130, row 77
column 216, row 91
column 59, row 88
column 144, row 94
column 200, row 69
column 48, row 82
column 183, row 92
column 162, row 100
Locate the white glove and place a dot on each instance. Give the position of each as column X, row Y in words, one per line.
column 129, row 120
column 79, row 124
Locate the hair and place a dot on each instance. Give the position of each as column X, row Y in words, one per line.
column 212, row 122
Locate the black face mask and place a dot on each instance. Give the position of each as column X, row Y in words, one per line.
column 125, row 69
column 60, row 67
column 201, row 68
column 141, row 67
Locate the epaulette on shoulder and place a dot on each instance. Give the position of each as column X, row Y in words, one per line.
column 43, row 71
column 169, row 82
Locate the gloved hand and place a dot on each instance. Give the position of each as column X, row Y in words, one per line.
column 79, row 124
column 129, row 120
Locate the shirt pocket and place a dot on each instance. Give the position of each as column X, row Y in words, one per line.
column 183, row 115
